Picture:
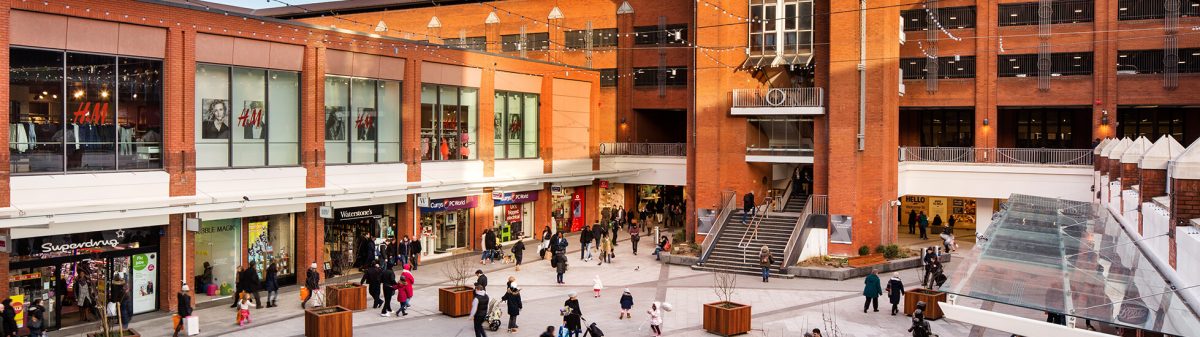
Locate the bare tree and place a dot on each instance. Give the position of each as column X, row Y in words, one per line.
column 724, row 285
column 457, row 270
column 830, row 318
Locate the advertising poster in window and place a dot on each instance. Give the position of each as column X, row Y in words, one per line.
column 335, row 123
column 938, row 207
column 216, row 118
column 260, row 246
column 251, row 120
column 18, row 303
column 145, row 276
column 364, row 124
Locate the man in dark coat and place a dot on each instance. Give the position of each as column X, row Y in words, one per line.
column 414, row 251
column 912, row 222
column 585, row 239
column 403, row 251
column 480, row 279
column 747, row 205
column 387, row 283
column 253, row 284
column 616, row 227
column 366, row 251
column 598, row 231
column 895, row 289
column 373, row 278
column 489, row 238
column 923, row 224
column 239, row 285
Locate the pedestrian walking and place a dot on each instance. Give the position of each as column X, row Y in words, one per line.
column 253, row 285
column 404, row 291
column 895, row 289
column 512, row 298
column 480, row 278
column 597, row 286
column 560, row 266
column 403, row 251
column 747, row 205
column 243, row 314
column 616, row 228
column 572, row 315
column 271, row 284
column 923, row 224
column 387, row 283
column 414, row 249
column 37, row 318
column 598, row 232
column 606, row 249
column 545, row 246
column 312, row 282
column 486, row 246
column 912, row 221
column 872, row 290
column 183, row 300
column 479, row 310
column 373, row 278
column 518, row 251
column 585, row 240
column 626, row 304
column 765, row 261
column 928, row 260
column 634, row 237
column 656, row 320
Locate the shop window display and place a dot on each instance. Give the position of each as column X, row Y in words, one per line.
column 516, row 125
column 362, row 120
column 83, row 112
column 218, row 256
column 512, row 215
column 356, row 236
column 449, row 222
column 449, row 122
column 272, row 239
column 235, row 106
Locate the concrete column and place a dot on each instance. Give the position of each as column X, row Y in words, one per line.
column 983, row 214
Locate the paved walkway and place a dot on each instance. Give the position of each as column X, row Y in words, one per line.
column 781, row 307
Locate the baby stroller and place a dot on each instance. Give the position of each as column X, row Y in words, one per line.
column 495, row 313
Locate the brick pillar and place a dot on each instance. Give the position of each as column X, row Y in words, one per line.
column 179, row 78
column 541, row 212
column 1185, row 206
column 310, row 227
column 310, row 241
column 171, row 255
column 5, row 170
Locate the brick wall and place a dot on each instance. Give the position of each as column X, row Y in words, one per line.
column 1185, row 206
column 1129, row 175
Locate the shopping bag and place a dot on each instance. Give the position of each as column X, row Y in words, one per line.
column 175, row 321
column 303, row 293
column 191, row 324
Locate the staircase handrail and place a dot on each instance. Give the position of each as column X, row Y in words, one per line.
column 751, row 233
column 728, row 203
column 787, row 195
column 793, row 243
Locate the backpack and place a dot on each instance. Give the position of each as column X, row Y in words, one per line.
column 594, row 330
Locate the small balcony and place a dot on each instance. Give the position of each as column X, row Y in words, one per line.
column 644, row 149
column 1031, row 156
column 778, row 101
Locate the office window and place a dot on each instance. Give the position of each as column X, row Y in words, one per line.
column 1043, row 128
column 1151, row 122
column 516, row 132
column 948, row 67
column 1061, row 64
column 362, row 120
column 648, row 77
column 533, row 41
column 948, row 128
column 261, row 98
column 673, row 34
column 1151, row 61
column 780, row 22
column 608, row 77
column 1153, row 9
column 577, row 39
column 476, row 43
column 449, row 122
column 1063, row 11
column 950, row 17
column 83, row 112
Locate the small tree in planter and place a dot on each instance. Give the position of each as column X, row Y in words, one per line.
column 726, row 317
column 455, row 300
column 107, row 330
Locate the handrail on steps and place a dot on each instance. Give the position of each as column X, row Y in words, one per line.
column 728, row 203
column 797, row 233
column 751, row 233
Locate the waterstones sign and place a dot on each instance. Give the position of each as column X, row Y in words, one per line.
column 358, row 212
column 451, row 204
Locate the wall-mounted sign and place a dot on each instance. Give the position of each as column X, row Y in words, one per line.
column 840, row 225
column 451, row 204
column 86, row 243
column 514, row 197
column 422, row 200
column 325, row 212
column 358, row 212
column 604, row 184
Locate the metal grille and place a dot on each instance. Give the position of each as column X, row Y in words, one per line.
column 1063, row 11
column 1057, row 64
column 1045, row 13
column 948, row 67
column 649, row 77
column 1171, row 44
column 950, row 18
column 931, row 48
column 1154, row 9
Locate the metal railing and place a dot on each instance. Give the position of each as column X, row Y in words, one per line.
column 778, row 98
column 1038, row 156
column 815, row 204
column 751, row 233
column 728, row 203
column 644, row 149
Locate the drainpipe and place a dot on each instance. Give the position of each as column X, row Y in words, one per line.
column 862, row 75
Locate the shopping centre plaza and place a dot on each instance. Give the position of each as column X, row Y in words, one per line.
column 154, row 143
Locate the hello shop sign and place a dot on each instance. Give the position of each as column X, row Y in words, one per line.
column 451, row 204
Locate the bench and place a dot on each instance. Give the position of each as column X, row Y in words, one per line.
column 866, row 260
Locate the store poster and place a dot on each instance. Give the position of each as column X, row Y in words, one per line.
column 145, row 276
column 251, row 120
column 938, row 207
column 260, row 246
column 512, row 214
column 18, row 303
column 577, row 212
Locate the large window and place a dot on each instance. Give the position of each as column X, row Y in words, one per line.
column 1153, row 62
column 601, row 38
column 672, row 34
column 449, row 122
column 1062, row 11
column 516, row 125
column 948, row 67
column 953, row 128
column 476, row 43
column 779, row 136
column 1061, row 64
column 83, row 112
column 948, row 17
column 362, row 120
column 1153, row 9
column 235, row 106
column 1043, row 128
column 533, row 41
column 608, row 77
column 649, row 77
column 781, row 27
column 1152, row 123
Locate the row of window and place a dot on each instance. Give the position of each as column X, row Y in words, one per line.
column 601, row 38
column 649, row 77
column 1060, row 11
column 1061, row 64
column 1045, row 127
column 577, row 39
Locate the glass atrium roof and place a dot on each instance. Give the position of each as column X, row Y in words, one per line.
column 1069, row 257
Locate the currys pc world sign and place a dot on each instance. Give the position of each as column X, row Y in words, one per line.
column 451, row 204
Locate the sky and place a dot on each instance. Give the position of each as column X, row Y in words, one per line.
column 260, row 4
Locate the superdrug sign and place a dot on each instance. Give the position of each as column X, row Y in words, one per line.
column 86, row 243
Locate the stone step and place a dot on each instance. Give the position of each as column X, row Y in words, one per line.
column 744, row 271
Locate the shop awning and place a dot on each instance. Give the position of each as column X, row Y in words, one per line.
column 1072, row 258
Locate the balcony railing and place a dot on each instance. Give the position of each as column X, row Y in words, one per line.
column 778, row 98
column 644, row 149
column 997, row 155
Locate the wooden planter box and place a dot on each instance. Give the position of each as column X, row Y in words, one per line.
column 931, row 299
column 866, row 260
column 352, row 298
column 455, row 301
column 726, row 318
column 328, row 322
column 114, row 333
